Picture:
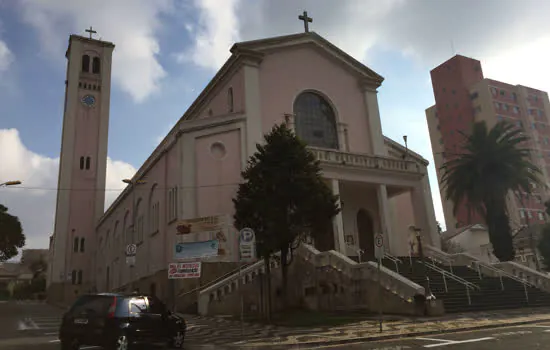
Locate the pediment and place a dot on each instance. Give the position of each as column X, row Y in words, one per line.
column 264, row 46
column 396, row 150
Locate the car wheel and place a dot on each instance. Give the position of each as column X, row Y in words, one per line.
column 177, row 340
column 122, row 342
column 69, row 344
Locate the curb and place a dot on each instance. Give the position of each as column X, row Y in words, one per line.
column 389, row 336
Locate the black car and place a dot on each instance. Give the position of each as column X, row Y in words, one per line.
column 119, row 322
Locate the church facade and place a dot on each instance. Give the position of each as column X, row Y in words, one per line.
column 328, row 98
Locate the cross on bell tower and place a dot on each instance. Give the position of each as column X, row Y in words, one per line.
column 307, row 20
column 91, row 31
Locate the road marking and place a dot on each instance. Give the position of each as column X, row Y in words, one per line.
column 459, row 342
column 435, row 339
column 514, row 333
column 55, row 341
column 51, row 333
column 453, row 342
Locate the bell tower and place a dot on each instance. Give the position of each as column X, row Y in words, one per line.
column 82, row 167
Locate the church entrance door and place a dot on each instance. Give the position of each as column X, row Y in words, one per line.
column 365, row 230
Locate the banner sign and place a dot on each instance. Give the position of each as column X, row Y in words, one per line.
column 184, row 270
column 196, row 250
column 207, row 228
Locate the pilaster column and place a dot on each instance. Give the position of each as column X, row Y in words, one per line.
column 289, row 119
column 342, row 137
column 253, row 110
column 385, row 217
column 373, row 118
column 424, row 213
column 338, row 221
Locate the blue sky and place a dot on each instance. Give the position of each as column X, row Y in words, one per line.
column 168, row 50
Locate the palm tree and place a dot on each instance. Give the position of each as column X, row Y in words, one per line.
column 493, row 163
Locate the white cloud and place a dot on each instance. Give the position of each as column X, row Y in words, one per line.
column 34, row 201
column 6, row 57
column 130, row 24
column 215, row 33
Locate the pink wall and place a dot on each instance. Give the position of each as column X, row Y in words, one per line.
column 217, row 178
column 285, row 74
column 219, row 101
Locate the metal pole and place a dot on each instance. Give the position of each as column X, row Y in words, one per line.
column 241, row 295
column 379, row 296
column 132, row 272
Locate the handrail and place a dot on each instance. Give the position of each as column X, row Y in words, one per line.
column 444, row 274
column 506, row 274
column 452, row 276
column 395, row 260
column 442, row 256
column 208, row 284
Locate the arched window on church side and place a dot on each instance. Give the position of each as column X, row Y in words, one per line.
column 96, row 65
column 315, row 121
column 230, row 99
column 86, row 63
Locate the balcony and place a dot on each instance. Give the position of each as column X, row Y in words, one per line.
column 366, row 161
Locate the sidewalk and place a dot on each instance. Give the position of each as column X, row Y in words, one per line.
column 220, row 332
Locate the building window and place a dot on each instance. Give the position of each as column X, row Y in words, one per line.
column 541, row 216
column 81, row 163
column 230, row 99
column 82, row 245
column 86, row 63
column 497, row 105
column 453, row 91
column 516, row 109
column 75, row 245
column 96, row 65
column 474, row 95
column 315, row 121
column 522, row 214
column 172, row 204
column 514, row 96
column 87, row 163
column 499, row 118
column 155, row 217
column 139, row 224
column 502, row 92
column 539, row 112
column 79, row 277
column 505, row 106
column 493, row 90
column 529, row 214
column 73, row 277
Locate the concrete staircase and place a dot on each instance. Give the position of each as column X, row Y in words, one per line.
column 392, row 283
column 467, row 284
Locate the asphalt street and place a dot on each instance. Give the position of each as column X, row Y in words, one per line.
column 31, row 325
column 528, row 337
column 27, row 325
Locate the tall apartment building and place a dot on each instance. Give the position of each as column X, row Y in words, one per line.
column 463, row 96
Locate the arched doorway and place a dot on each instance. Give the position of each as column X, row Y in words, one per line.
column 365, row 230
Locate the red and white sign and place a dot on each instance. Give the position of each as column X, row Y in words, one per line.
column 184, row 270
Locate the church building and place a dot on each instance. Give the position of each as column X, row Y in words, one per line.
column 327, row 97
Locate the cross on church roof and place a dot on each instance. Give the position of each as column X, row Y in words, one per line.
column 307, row 20
column 91, row 31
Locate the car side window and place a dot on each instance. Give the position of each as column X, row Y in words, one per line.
column 156, row 306
column 137, row 305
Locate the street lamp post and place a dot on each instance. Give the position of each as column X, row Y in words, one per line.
column 10, row 183
column 417, row 231
column 132, row 188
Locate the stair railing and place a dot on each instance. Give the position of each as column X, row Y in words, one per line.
column 446, row 274
column 501, row 273
column 435, row 255
column 395, row 260
column 208, row 284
